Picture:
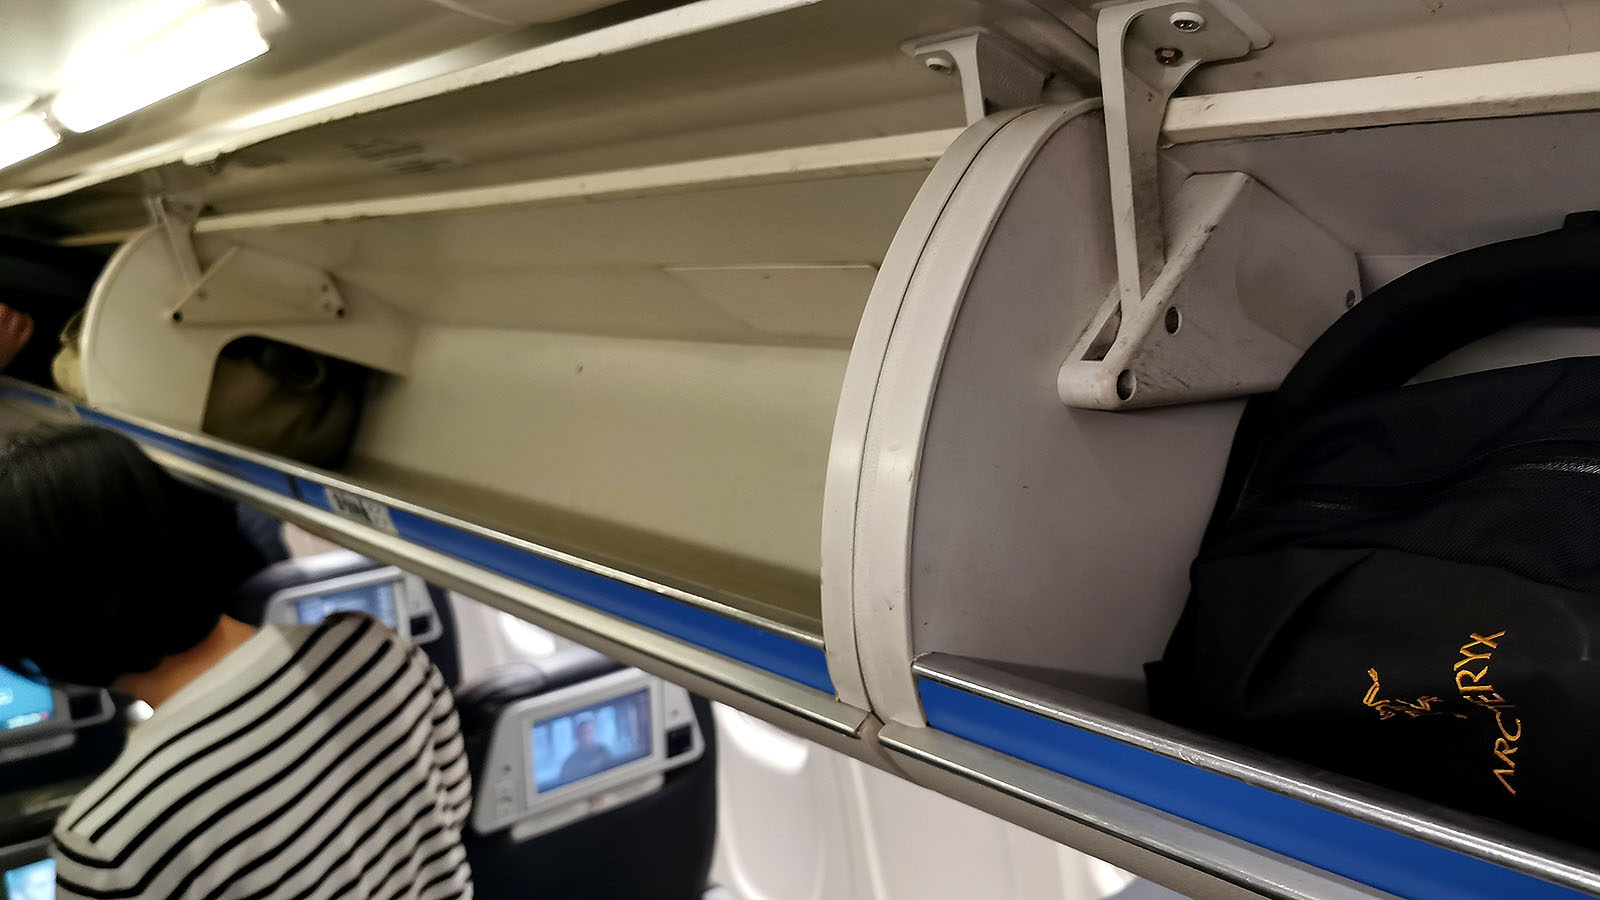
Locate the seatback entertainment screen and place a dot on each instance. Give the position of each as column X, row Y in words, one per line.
column 585, row 742
column 34, row 881
column 375, row 600
column 23, row 701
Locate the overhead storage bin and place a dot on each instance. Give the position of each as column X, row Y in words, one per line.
column 601, row 279
column 628, row 377
column 1017, row 551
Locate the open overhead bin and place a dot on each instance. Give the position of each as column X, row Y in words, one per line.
column 861, row 363
column 634, row 369
column 1027, row 463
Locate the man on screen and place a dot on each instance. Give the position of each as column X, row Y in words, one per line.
column 589, row 757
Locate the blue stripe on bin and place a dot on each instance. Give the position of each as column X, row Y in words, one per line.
column 29, row 395
column 1357, row 850
column 311, row 492
column 746, row 643
column 780, row 655
column 777, row 654
column 256, row 473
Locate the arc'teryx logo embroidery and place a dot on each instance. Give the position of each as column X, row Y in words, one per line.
column 1388, row 709
column 1471, row 677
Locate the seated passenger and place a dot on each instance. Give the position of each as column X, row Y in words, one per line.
column 15, row 330
column 285, row 762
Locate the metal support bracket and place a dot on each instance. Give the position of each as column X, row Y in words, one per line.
column 1147, row 49
column 248, row 287
column 995, row 73
column 175, row 218
column 1248, row 285
column 1221, row 314
column 244, row 286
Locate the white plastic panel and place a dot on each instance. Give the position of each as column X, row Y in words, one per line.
column 1317, row 41
column 798, row 821
column 575, row 439
column 780, row 833
column 1408, row 193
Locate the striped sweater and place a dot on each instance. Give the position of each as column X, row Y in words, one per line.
column 311, row 763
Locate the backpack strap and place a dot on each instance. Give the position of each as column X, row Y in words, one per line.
column 1434, row 310
column 1415, row 321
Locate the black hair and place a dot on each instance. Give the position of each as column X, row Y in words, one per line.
column 108, row 564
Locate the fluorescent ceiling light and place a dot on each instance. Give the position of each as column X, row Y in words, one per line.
column 24, row 136
column 192, row 50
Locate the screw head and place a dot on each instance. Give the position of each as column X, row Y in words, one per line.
column 941, row 64
column 1168, row 56
column 1187, row 21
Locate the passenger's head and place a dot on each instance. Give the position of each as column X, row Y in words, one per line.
column 107, row 563
column 586, row 731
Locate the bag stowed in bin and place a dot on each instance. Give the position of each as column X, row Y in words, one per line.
column 1401, row 583
column 286, row 400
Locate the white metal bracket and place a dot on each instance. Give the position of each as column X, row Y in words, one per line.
column 249, row 287
column 1249, row 284
column 1201, row 309
column 175, row 218
column 244, row 286
column 995, row 73
column 1147, row 49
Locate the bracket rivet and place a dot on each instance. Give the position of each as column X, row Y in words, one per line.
column 1168, row 56
column 940, row 64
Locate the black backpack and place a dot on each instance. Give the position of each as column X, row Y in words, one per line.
column 1401, row 583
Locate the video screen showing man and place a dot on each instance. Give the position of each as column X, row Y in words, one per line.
column 590, row 757
column 586, row 742
column 35, row 881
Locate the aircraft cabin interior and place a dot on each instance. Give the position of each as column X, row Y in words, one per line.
column 864, row 449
